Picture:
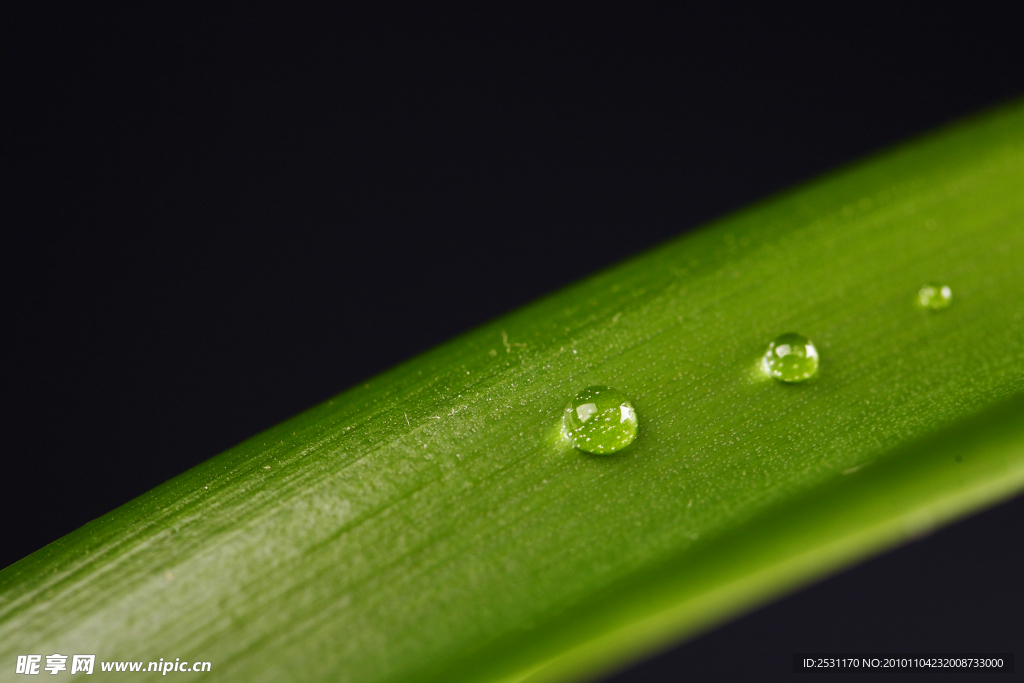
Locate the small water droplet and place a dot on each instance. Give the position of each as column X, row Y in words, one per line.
column 600, row 420
column 791, row 357
column 934, row 297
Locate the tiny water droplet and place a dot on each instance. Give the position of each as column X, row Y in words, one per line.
column 791, row 357
column 934, row 297
column 600, row 420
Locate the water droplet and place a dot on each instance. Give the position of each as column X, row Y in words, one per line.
column 934, row 296
column 791, row 357
column 600, row 420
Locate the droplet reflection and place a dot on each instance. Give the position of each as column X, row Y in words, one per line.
column 791, row 357
column 934, row 297
column 600, row 420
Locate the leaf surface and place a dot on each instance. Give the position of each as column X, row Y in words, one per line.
column 433, row 524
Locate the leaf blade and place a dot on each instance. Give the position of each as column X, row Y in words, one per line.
column 432, row 521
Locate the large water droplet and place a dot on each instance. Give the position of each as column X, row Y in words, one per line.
column 934, row 296
column 791, row 357
column 600, row 420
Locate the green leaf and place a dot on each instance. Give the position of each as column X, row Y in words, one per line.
column 435, row 524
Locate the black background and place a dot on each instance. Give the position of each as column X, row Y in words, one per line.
column 218, row 220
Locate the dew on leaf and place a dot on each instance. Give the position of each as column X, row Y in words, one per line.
column 934, row 297
column 791, row 357
column 600, row 420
